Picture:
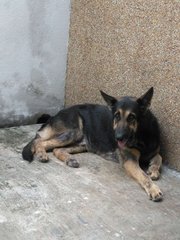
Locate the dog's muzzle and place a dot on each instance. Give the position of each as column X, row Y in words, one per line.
column 124, row 138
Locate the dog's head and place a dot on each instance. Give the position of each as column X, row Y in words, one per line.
column 127, row 112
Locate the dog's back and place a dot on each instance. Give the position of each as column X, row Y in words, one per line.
column 97, row 125
column 97, row 128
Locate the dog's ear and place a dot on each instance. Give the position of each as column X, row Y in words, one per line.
column 145, row 100
column 109, row 99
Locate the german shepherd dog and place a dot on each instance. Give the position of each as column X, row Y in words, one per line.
column 126, row 125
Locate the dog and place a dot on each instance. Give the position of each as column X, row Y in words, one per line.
column 126, row 125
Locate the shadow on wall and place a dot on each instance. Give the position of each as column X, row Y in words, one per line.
column 19, row 120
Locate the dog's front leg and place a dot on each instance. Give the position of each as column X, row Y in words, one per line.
column 131, row 165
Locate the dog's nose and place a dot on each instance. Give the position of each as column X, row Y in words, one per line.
column 119, row 136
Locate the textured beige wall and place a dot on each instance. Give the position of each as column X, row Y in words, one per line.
column 124, row 47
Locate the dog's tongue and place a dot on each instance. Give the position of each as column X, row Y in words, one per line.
column 121, row 144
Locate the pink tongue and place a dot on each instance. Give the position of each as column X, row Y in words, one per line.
column 121, row 144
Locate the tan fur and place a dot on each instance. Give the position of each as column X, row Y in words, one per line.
column 154, row 167
column 126, row 114
column 131, row 165
column 123, row 122
column 64, row 154
column 47, row 133
column 80, row 124
column 48, row 139
column 40, row 151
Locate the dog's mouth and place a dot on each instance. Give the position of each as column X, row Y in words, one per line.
column 130, row 142
column 122, row 143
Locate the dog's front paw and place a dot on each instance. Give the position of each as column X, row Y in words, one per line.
column 154, row 174
column 155, row 193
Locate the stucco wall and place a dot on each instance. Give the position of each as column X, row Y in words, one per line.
column 33, row 54
column 124, row 47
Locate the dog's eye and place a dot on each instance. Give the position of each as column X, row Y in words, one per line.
column 117, row 116
column 131, row 118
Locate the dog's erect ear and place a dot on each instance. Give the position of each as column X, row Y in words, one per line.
column 109, row 99
column 145, row 100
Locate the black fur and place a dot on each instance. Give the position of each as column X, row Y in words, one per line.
column 147, row 135
column 98, row 126
column 27, row 153
column 43, row 118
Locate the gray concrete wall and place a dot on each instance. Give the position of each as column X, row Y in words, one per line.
column 124, row 47
column 33, row 50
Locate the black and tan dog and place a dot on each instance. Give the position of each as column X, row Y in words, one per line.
column 129, row 127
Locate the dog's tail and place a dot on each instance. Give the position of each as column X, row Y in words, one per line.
column 27, row 152
column 43, row 118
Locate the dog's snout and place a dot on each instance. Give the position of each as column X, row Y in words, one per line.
column 120, row 135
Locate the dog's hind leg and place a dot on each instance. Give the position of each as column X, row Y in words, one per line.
column 131, row 164
column 47, row 138
column 64, row 154
column 63, row 139
column 154, row 167
column 34, row 147
column 44, row 134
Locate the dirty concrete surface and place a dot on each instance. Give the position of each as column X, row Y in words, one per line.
column 97, row 201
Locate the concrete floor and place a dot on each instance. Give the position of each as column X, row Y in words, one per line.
column 98, row 201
